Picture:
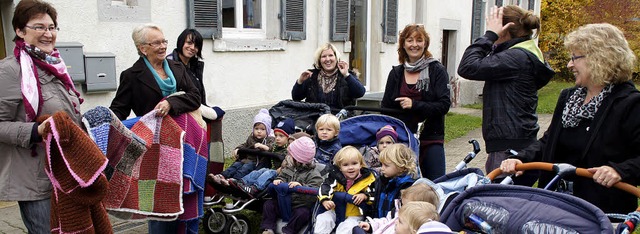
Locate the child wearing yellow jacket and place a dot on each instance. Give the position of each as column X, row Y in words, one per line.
column 349, row 175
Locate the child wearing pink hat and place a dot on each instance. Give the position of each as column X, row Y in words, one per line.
column 298, row 169
column 385, row 136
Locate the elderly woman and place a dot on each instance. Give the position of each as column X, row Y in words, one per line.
column 418, row 87
column 330, row 81
column 34, row 82
column 595, row 124
column 147, row 84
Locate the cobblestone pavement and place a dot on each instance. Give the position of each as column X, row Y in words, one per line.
column 456, row 150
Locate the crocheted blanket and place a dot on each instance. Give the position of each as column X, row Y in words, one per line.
column 177, row 144
column 74, row 165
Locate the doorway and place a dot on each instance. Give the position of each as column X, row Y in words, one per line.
column 358, row 36
column 449, row 62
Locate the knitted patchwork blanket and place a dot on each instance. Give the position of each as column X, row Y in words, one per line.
column 148, row 162
column 145, row 164
column 74, row 165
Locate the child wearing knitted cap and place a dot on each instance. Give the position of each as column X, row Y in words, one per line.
column 349, row 175
column 259, row 179
column 298, row 170
column 261, row 138
column 385, row 136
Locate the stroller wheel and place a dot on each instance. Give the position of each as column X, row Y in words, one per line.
column 241, row 226
column 214, row 221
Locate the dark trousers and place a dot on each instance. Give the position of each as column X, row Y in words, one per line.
column 494, row 159
column 300, row 217
column 432, row 160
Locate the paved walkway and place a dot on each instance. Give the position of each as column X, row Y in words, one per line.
column 456, row 150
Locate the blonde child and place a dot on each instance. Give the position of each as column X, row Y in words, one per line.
column 417, row 192
column 350, row 175
column 298, row 170
column 398, row 172
column 327, row 129
column 413, row 214
column 260, row 138
column 385, row 136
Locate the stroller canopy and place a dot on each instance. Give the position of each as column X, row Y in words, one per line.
column 520, row 209
column 361, row 130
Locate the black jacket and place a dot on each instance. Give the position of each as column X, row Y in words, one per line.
column 195, row 69
column 139, row 91
column 614, row 141
column 513, row 72
column 347, row 90
column 431, row 109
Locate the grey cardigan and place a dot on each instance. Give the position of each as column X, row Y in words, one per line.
column 22, row 176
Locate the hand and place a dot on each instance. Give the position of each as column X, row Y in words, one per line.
column 358, row 198
column 494, row 21
column 328, row 205
column 364, row 225
column 509, row 166
column 277, row 182
column 234, row 155
column 294, row 184
column 343, row 66
column 405, row 102
column 163, row 108
column 42, row 126
column 605, row 175
column 261, row 146
column 304, row 76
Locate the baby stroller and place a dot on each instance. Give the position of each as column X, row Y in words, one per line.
column 496, row 208
column 224, row 217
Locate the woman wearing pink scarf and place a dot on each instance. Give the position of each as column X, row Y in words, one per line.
column 34, row 82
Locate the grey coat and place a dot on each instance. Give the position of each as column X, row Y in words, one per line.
column 22, row 176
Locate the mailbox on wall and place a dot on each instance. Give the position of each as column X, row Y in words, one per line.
column 71, row 53
column 100, row 69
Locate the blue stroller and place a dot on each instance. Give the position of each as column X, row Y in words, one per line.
column 497, row 208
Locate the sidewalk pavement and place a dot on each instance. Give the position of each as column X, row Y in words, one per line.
column 455, row 150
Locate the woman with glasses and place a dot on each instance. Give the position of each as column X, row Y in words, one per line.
column 148, row 83
column 329, row 82
column 595, row 124
column 512, row 67
column 418, row 87
column 34, row 83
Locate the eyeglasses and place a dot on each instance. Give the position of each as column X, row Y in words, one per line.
column 42, row 28
column 158, row 43
column 573, row 57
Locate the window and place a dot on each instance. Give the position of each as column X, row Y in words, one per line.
column 390, row 21
column 243, row 19
column 293, row 19
column 124, row 2
column 340, row 19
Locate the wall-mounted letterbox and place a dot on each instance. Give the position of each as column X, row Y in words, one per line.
column 71, row 53
column 101, row 72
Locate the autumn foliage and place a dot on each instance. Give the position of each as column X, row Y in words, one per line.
column 559, row 17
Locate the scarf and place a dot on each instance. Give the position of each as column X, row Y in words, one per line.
column 574, row 111
column 167, row 86
column 29, row 57
column 419, row 66
column 328, row 80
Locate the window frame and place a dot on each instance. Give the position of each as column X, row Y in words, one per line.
column 238, row 32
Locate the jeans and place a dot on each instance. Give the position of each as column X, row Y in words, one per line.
column 238, row 169
column 168, row 227
column 36, row 215
column 260, row 178
column 432, row 160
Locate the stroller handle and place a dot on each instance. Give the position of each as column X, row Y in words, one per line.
column 578, row 171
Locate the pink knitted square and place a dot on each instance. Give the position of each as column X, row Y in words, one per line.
column 170, row 165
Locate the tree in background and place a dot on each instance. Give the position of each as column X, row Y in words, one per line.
column 559, row 17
